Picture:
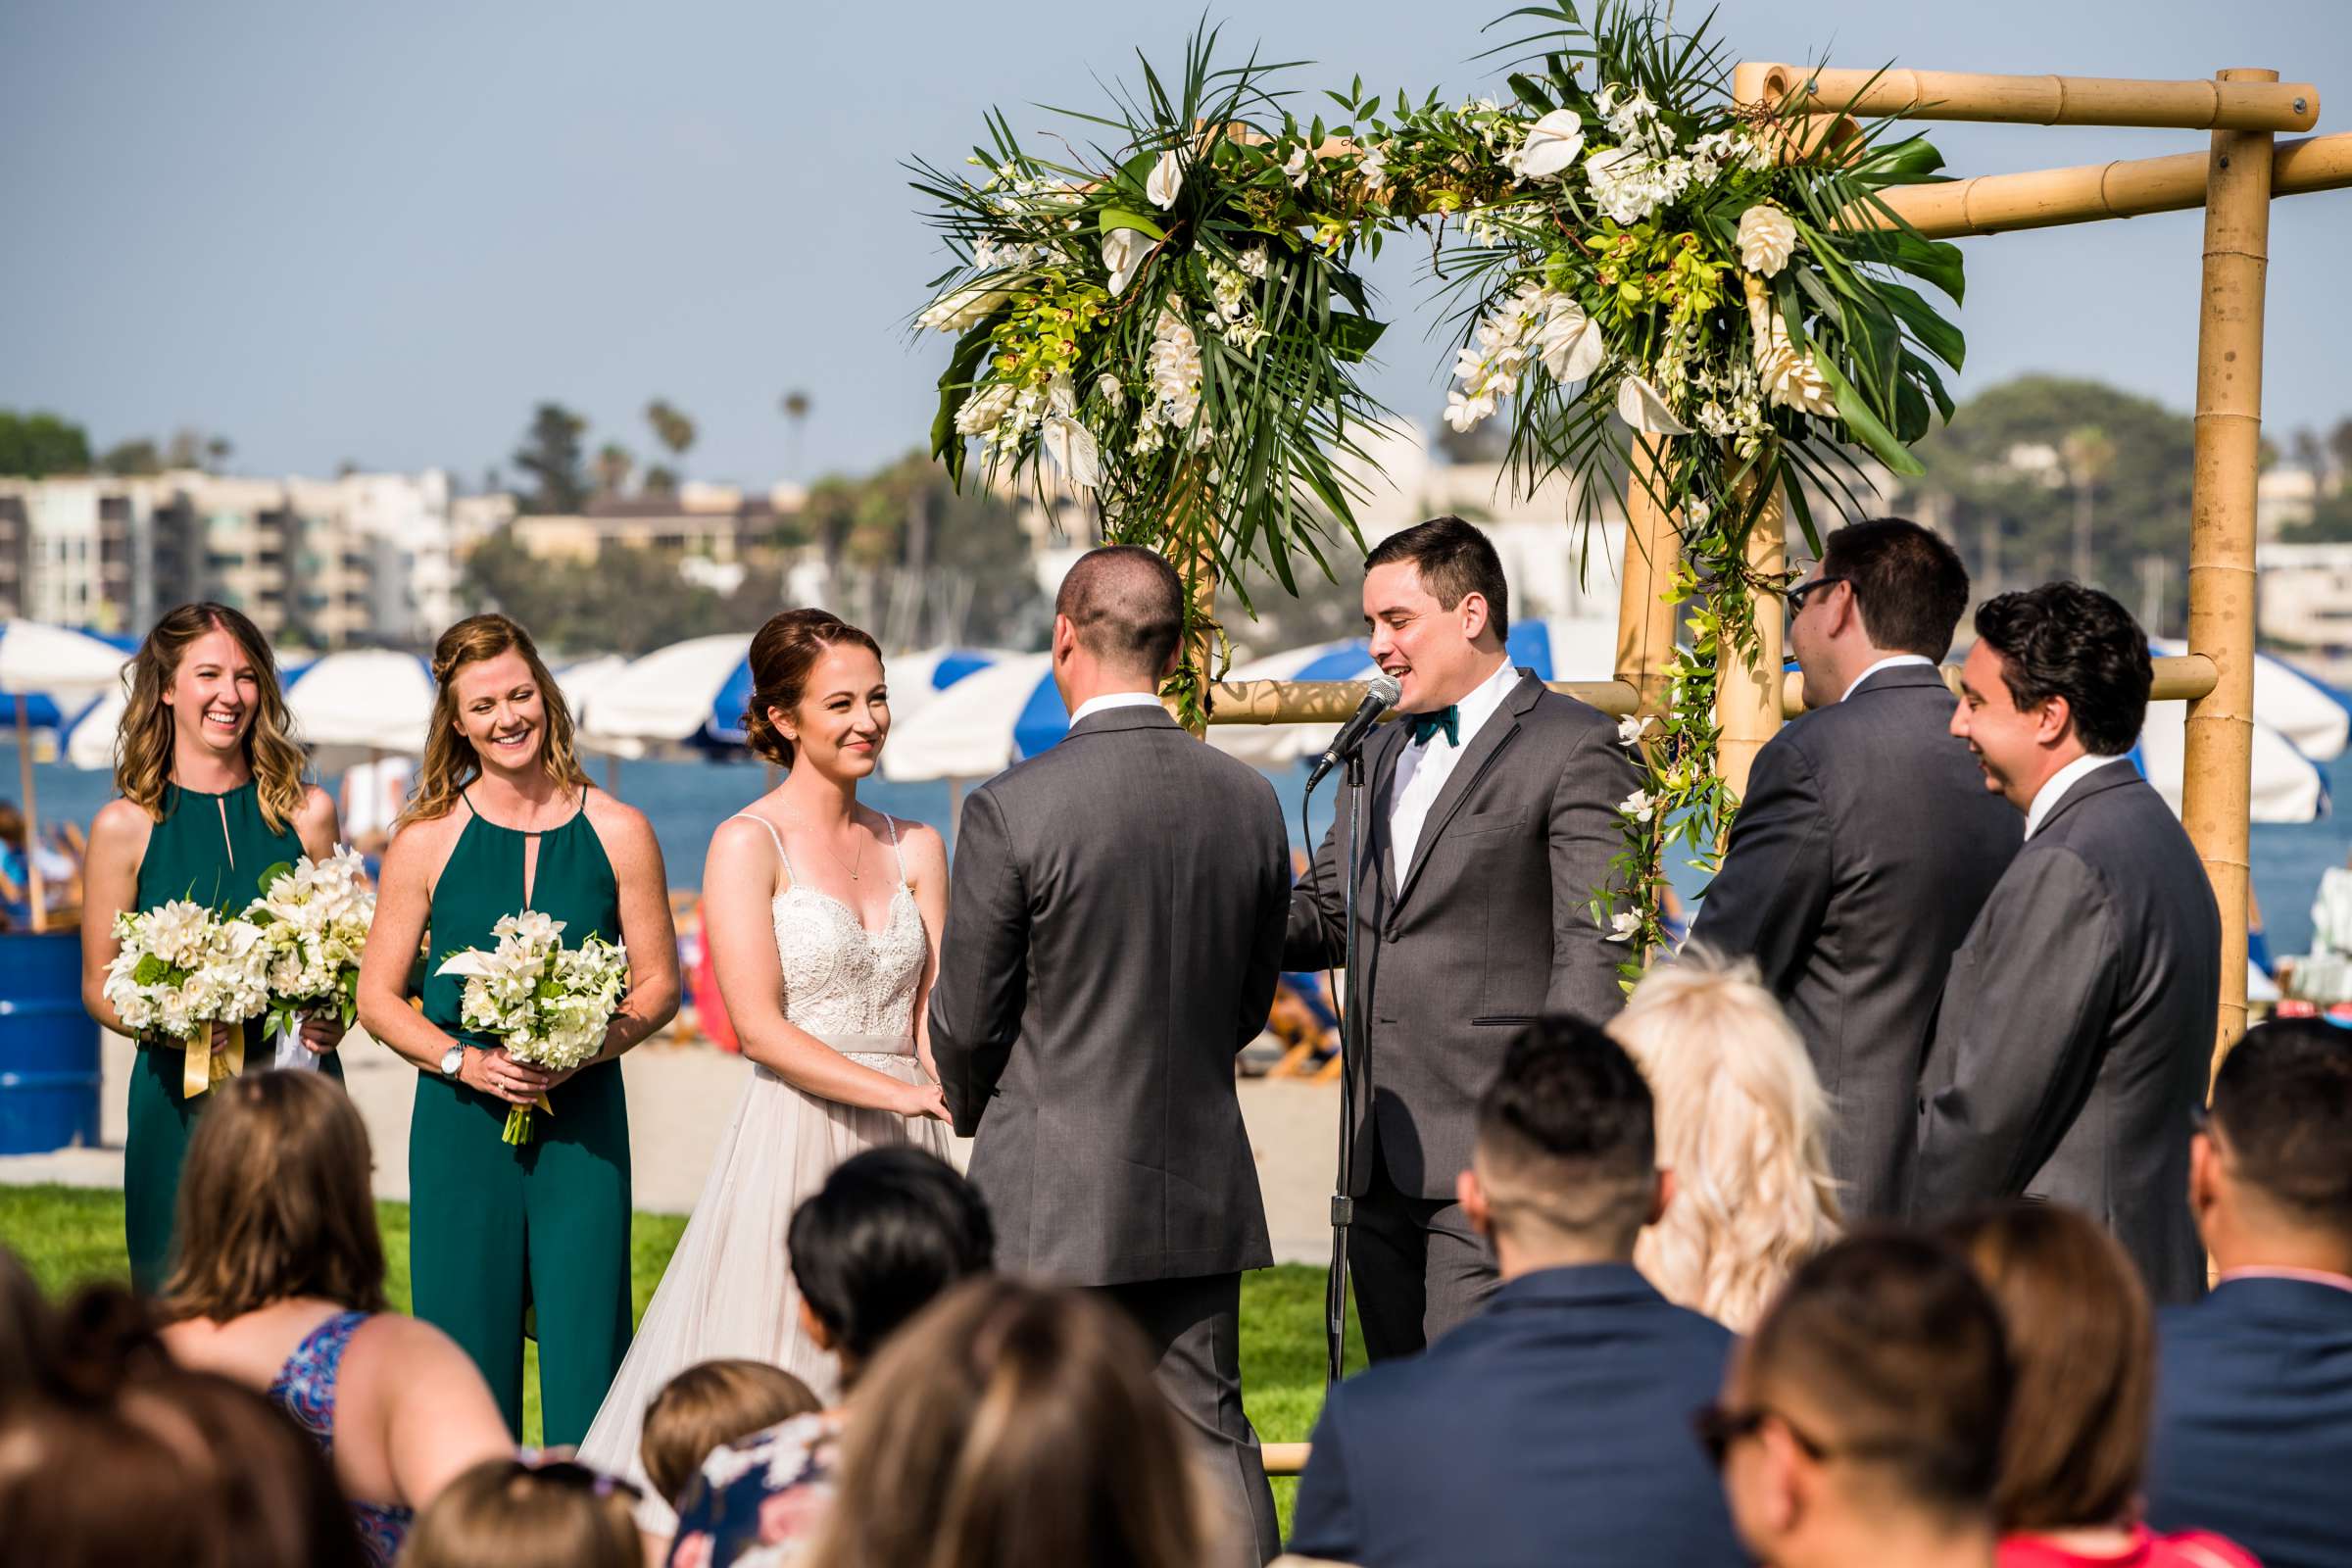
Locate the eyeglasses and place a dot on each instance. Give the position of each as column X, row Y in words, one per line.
column 1719, row 1426
column 1804, row 591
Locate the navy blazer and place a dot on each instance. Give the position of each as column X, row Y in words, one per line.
column 2253, row 1435
column 1551, row 1430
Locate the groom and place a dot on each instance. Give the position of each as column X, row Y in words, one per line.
column 1490, row 821
column 1114, row 927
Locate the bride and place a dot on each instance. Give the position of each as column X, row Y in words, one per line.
column 822, row 918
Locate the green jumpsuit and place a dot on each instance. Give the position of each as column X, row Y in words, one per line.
column 211, row 850
column 499, row 1229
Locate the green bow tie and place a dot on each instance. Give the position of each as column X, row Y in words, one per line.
column 1424, row 725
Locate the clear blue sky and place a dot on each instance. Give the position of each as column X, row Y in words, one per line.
column 384, row 232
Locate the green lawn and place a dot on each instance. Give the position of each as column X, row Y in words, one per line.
column 68, row 1235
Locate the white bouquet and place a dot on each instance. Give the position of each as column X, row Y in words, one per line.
column 312, row 916
column 181, row 969
column 548, row 1004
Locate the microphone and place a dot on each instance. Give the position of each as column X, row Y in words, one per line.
column 1380, row 695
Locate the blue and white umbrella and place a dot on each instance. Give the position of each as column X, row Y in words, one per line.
column 1556, row 649
column 698, row 690
column 2312, row 714
column 915, row 681
column 2287, row 786
column 57, row 670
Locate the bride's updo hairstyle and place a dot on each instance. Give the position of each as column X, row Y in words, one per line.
column 783, row 653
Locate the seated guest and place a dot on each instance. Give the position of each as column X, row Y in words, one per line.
column 889, row 1230
column 1865, row 842
column 1743, row 1124
column 1013, row 1426
column 2076, row 1032
column 1861, row 1424
column 278, row 1283
column 528, row 1513
column 710, row 1403
column 2254, row 1384
column 2081, row 1343
column 124, row 1458
column 1550, row 1426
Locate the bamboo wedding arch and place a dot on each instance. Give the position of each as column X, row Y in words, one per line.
column 2234, row 180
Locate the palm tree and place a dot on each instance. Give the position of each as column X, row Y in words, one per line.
column 613, row 466
column 796, row 411
column 2088, row 455
column 673, row 428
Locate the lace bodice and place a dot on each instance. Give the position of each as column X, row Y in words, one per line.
column 839, row 977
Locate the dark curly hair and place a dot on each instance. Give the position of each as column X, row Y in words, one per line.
column 2065, row 640
column 783, row 652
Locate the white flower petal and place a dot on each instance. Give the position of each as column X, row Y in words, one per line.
column 1552, row 143
column 1166, row 181
column 1767, row 237
column 1639, row 406
column 1123, row 253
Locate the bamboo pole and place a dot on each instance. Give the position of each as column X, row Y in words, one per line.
column 2180, row 678
column 2043, row 198
column 1747, row 695
column 2217, row 776
column 1654, row 549
column 2228, row 103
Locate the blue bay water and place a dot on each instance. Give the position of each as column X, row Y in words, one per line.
column 685, row 801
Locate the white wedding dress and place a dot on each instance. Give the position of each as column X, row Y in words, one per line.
column 728, row 1290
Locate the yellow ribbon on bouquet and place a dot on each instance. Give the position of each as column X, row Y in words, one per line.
column 519, row 1120
column 204, row 1066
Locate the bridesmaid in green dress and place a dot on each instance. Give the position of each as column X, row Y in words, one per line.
column 212, row 794
column 505, row 821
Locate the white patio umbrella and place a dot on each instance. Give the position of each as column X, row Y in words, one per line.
column 991, row 720
column 663, row 696
column 65, row 669
column 2288, row 786
column 1558, row 648
column 2309, row 713
column 371, row 699
column 584, row 680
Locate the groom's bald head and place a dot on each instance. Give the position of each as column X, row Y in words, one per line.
column 1125, row 606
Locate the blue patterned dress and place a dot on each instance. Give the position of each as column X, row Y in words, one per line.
column 305, row 1389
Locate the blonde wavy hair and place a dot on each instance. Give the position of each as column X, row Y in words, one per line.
column 143, row 744
column 449, row 760
column 1742, row 1123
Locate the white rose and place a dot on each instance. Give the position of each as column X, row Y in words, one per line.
column 1552, row 143
column 1766, row 237
column 1123, row 253
column 1166, row 181
column 1639, row 406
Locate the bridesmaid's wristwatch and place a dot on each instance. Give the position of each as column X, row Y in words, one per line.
column 452, row 1059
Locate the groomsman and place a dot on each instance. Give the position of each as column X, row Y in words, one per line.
column 1490, row 821
column 1114, row 926
column 2069, row 1058
column 1866, row 841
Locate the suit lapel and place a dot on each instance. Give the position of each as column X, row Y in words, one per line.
column 1476, row 758
column 1382, row 797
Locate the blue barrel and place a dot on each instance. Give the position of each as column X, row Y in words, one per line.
column 48, row 1045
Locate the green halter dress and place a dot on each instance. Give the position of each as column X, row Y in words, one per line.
column 211, row 850
column 499, row 1229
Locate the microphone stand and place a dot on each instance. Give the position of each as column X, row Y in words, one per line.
column 1353, row 1046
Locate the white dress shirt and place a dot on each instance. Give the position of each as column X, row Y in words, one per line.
column 1424, row 766
column 1110, row 700
column 1890, row 661
column 2053, row 789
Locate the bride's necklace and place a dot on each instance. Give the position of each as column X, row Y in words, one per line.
column 851, row 866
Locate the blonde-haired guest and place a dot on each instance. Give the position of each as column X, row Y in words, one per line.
column 1742, row 1123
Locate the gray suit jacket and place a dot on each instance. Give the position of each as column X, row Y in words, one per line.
column 1490, row 925
column 1858, row 860
column 2071, row 1052
column 1114, row 926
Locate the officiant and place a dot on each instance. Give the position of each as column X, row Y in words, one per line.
column 1490, row 821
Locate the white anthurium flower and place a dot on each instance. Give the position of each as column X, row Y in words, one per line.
column 1552, row 145
column 1166, row 182
column 1766, row 237
column 1623, row 926
column 1123, row 253
column 1062, row 393
column 1071, row 445
column 1570, row 342
column 1639, row 406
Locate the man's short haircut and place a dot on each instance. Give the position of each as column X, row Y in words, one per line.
column 1566, row 1142
column 1893, row 1350
column 2283, row 1104
column 1127, row 606
column 1907, row 584
column 2065, row 640
column 1454, row 559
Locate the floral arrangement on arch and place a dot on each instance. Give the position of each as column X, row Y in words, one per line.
column 1172, row 321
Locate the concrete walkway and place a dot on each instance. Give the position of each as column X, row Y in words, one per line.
column 680, row 1097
